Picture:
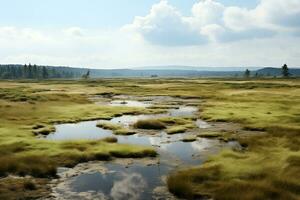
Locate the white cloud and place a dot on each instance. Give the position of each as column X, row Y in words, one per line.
column 11, row 33
column 213, row 35
column 284, row 13
column 207, row 12
column 129, row 187
column 74, row 31
column 210, row 20
column 165, row 25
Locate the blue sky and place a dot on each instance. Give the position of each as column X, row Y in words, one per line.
column 132, row 33
column 87, row 13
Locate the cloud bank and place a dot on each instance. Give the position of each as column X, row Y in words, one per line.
column 211, row 21
column 211, row 35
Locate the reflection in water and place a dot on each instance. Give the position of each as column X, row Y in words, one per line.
column 130, row 187
column 187, row 111
column 202, row 124
column 182, row 111
column 127, row 120
column 164, row 142
column 82, row 130
column 130, row 103
column 88, row 130
column 138, row 181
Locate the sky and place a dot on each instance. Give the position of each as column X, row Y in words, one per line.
column 134, row 33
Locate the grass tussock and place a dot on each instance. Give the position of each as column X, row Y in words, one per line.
column 176, row 129
column 43, row 129
column 23, row 188
column 35, row 165
column 189, row 139
column 177, row 124
column 29, row 185
column 139, row 154
column 150, row 124
column 237, row 175
column 117, row 129
column 210, row 134
column 110, row 139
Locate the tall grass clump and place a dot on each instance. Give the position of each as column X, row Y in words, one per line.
column 150, row 124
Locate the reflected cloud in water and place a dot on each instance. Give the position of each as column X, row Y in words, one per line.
column 130, row 187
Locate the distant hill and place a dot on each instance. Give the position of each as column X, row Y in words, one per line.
column 271, row 71
column 18, row 72
column 159, row 73
column 194, row 68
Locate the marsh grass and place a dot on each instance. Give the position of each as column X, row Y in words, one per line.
column 176, row 129
column 43, row 129
column 23, row 188
column 151, row 124
column 210, row 134
column 267, row 169
column 138, row 154
column 35, row 165
column 189, row 139
column 177, row 125
column 29, row 185
column 117, row 129
column 110, row 139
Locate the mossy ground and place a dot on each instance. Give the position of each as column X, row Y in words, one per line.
column 268, row 168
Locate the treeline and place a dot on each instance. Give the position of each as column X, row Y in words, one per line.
column 29, row 71
column 284, row 72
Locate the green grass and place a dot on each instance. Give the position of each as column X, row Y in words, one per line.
column 151, row 124
column 23, row 188
column 117, row 129
column 176, row 129
column 189, row 139
column 268, row 168
column 210, row 134
column 110, row 139
column 43, row 129
column 23, row 154
column 177, row 125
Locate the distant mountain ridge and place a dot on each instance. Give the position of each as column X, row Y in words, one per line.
column 161, row 71
column 272, row 71
column 195, row 68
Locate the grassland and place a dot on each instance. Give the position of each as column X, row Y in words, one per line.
column 117, row 129
column 29, row 108
column 268, row 167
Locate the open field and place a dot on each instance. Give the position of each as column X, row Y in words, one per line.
column 268, row 167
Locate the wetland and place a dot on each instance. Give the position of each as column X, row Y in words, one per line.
column 122, row 139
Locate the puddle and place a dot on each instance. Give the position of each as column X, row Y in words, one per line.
column 119, row 182
column 202, row 124
column 183, row 111
column 170, row 144
column 130, row 103
column 127, row 120
column 138, row 180
column 82, row 130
